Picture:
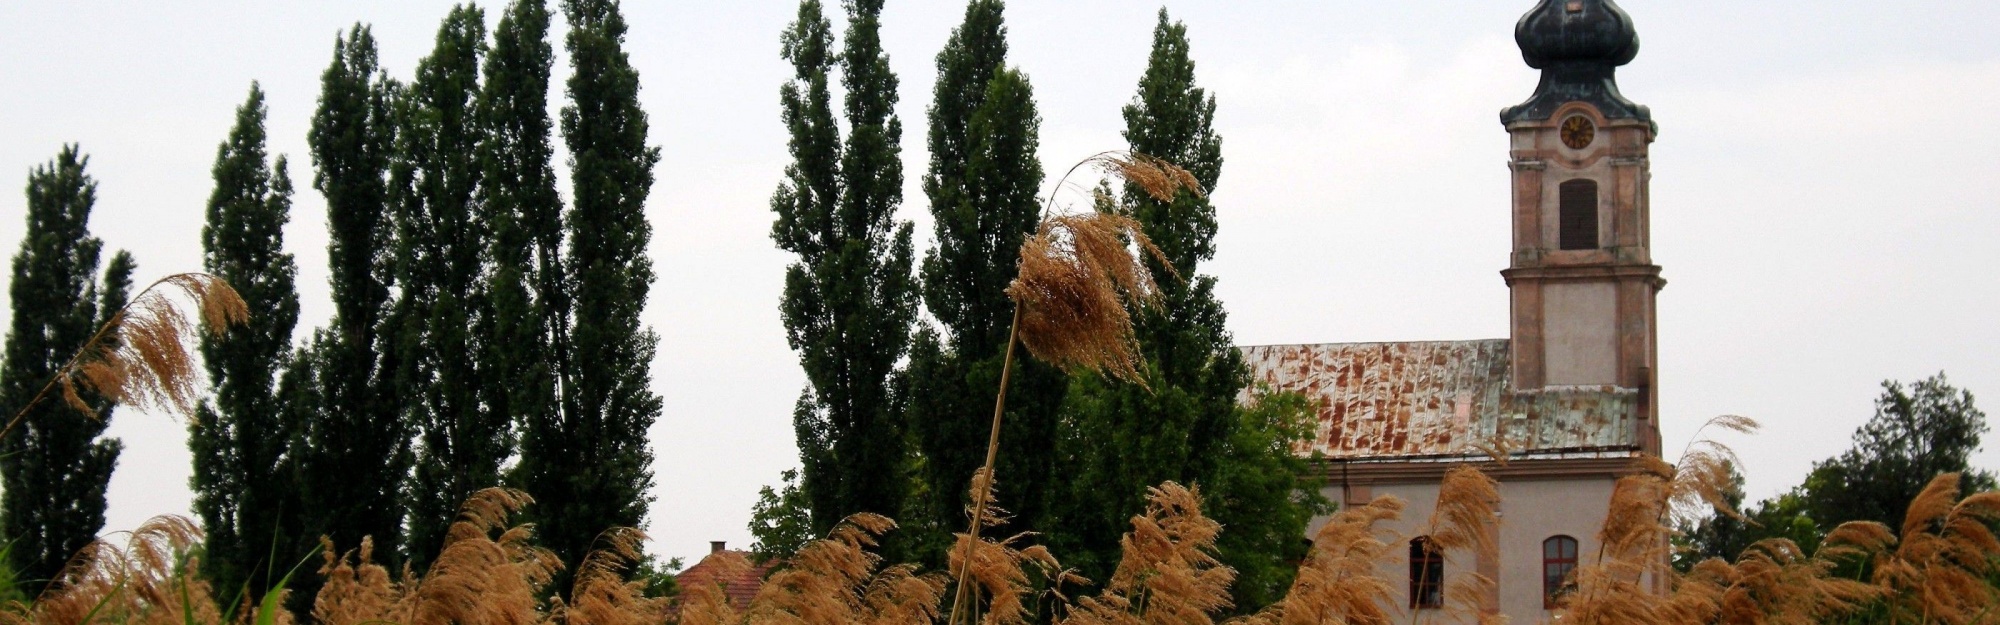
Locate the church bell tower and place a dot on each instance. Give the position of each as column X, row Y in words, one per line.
column 1582, row 276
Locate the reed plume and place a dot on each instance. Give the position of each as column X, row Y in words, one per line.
column 1702, row 478
column 141, row 356
column 1167, row 572
column 838, row 580
column 1081, row 275
column 1772, row 582
column 355, row 590
column 478, row 578
column 600, row 594
column 149, row 580
column 1464, row 521
column 1076, row 278
column 1944, row 565
column 996, row 569
column 1340, row 581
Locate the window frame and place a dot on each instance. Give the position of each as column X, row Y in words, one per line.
column 1577, row 219
column 1426, row 575
column 1552, row 587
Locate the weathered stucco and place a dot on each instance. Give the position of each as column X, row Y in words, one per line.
column 1439, row 399
column 1531, row 511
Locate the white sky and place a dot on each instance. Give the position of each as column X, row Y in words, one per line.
column 1824, row 188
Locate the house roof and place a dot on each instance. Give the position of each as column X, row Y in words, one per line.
column 1440, row 399
column 741, row 587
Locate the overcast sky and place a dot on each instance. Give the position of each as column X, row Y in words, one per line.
column 1824, row 191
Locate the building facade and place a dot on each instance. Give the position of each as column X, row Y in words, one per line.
column 1569, row 395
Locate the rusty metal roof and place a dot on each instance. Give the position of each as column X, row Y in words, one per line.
column 1439, row 399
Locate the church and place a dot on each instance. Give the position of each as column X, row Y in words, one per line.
column 1570, row 393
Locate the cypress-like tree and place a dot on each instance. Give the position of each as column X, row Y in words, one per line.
column 53, row 465
column 354, row 453
column 589, row 465
column 440, row 266
column 1185, row 425
column 249, row 506
column 850, row 299
column 518, row 202
column 983, row 183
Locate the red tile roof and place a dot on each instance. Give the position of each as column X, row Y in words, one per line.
column 740, row 588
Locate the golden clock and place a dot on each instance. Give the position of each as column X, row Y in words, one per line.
column 1578, row 132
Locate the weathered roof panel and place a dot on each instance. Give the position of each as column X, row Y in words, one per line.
column 1438, row 398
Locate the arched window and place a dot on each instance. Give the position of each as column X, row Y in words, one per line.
column 1426, row 574
column 1577, row 214
column 1558, row 568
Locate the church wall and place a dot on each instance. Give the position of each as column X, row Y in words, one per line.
column 1582, row 349
column 1531, row 511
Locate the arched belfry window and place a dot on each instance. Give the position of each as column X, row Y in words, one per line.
column 1558, row 569
column 1426, row 574
column 1577, row 214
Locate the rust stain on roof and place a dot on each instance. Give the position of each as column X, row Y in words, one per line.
column 1438, row 398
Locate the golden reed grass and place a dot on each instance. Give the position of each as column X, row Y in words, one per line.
column 1077, row 278
column 1937, row 569
column 142, row 355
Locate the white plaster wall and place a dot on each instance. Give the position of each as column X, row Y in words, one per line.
column 1580, row 333
column 1533, row 511
column 1530, row 511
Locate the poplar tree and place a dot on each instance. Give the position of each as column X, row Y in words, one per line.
column 1185, row 424
column 53, row 465
column 518, row 201
column 850, row 298
column 354, row 454
column 588, row 465
column 242, row 475
column 983, row 184
column 441, row 245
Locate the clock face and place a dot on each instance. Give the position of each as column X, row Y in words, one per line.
column 1577, row 132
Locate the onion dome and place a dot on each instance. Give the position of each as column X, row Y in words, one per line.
column 1578, row 45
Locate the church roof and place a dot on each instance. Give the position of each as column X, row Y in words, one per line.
column 1441, row 399
column 1578, row 45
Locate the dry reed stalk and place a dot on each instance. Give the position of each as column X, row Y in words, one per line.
column 1773, row 582
column 1942, row 568
column 141, row 356
column 600, row 594
column 1632, row 546
column 476, row 579
column 1464, row 521
column 997, row 569
column 1076, row 276
column 152, row 579
column 356, row 590
column 838, row 580
column 1705, row 472
column 1339, row 581
column 1168, row 572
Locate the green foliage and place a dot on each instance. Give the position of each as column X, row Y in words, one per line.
column 781, row 520
column 53, row 466
column 850, row 298
column 657, row 576
column 1724, row 536
column 527, row 291
column 243, row 478
column 983, row 183
column 1267, row 490
column 440, row 256
column 588, row 464
column 353, row 455
column 1185, row 424
column 1918, row 432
